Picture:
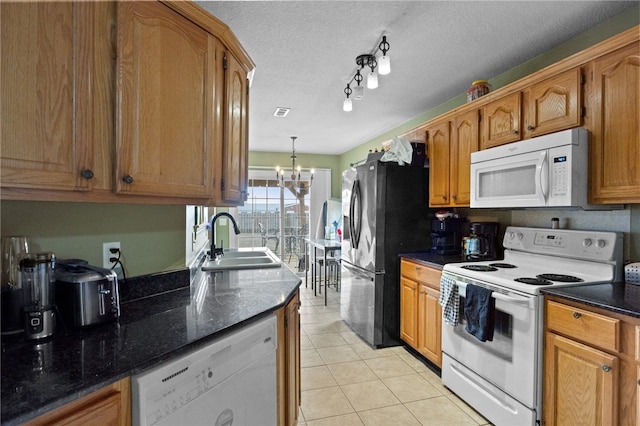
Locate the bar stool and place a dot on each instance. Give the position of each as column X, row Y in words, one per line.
column 332, row 275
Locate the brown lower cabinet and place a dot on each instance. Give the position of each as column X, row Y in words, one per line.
column 420, row 313
column 108, row 406
column 591, row 365
column 288, row 362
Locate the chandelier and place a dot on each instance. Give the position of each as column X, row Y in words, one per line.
column 381, row 65
column 295, row 184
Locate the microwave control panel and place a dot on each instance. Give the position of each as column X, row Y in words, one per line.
column 560, row 175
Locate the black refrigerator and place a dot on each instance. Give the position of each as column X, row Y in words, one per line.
column 385, row 211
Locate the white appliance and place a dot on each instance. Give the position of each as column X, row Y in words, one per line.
column 231, row 381
column 502, row 378
column 547, row 171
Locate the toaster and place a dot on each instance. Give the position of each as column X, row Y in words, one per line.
column 86, row 295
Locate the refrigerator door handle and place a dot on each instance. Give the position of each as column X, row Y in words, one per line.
column 355, row 226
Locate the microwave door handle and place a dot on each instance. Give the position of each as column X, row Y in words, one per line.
column 499, row 296
column 542, row 175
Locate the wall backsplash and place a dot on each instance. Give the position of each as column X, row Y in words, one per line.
column 600, row 220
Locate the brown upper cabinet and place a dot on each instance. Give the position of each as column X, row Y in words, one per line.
column 501, row 121
column 165, row 129
column 122, row 102
column 548, row 106
column 235, row 150
column 47, row 72
column 553, row 104
column 439, row 141
column 613, row 88
column 450, row 146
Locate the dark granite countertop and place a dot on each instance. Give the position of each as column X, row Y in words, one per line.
column 434, row 260
column 38, row 377
column 616, row 297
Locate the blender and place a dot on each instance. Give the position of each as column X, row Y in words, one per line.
column 38, row 282
column 11, row 294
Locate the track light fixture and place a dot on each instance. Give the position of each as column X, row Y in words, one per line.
column 381, row 65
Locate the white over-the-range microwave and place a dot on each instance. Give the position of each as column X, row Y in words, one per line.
column 547, row 171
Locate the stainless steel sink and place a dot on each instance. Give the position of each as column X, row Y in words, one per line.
column 253, row 258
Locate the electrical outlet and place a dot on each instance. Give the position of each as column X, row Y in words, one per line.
column 106, row 253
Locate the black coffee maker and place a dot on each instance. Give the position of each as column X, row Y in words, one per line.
column 446, row 235
column 482, row 243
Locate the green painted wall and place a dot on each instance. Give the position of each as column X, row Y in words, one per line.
column 310, row 161
column 151, row 237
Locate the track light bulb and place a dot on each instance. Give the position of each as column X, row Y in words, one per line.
column 372, row 79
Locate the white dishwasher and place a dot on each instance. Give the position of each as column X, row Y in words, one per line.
column 232, row 381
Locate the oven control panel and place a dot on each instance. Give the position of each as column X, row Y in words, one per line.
column 588, row 245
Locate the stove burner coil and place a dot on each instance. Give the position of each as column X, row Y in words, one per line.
column 503, row 265
column 480, row 268
column 533, row 281
column 560, row 278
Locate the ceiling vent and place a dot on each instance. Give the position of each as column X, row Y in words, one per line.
column 281, row 112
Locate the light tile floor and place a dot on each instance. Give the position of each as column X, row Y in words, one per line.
column 345, row 382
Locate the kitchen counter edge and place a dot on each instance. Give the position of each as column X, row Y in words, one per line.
column 618, row 297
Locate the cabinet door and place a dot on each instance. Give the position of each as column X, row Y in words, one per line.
column 581, row 384
column 46, row 95
column 614, row 120
column 464, row 141
column 554, row 104
column 429, row 324
column 293, row 359
column 235, row 149
column 110, row 405
column 165, row 103
column 409, row 312
column 439, row 157
column 501, row 121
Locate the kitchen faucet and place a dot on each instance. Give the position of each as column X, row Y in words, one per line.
column 215, row 252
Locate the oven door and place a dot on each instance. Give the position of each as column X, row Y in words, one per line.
column 511, row 361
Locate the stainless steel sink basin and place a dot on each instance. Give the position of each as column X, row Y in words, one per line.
column 243, row 259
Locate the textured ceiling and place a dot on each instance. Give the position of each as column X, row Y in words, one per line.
column 305, row 53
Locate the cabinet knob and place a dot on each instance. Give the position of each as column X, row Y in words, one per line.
column 577, row 315
column 127, row 179
column 455, row 197
column 530, row 127
column 444, row 197
column 606, row 368
column 515, row 132
column 87, row 174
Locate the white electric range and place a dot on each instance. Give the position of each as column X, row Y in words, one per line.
column 502, row 378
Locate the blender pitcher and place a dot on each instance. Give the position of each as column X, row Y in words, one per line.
column 12, row 295
column 38, row 283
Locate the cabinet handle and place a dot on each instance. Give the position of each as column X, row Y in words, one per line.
column 127, row 179
column 606, row 368
column 577, row 315
column 87, row 174
column 530, row 127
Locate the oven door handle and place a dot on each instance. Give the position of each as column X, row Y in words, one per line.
column 499, row 296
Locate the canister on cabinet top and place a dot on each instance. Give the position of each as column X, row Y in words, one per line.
column 478, row 88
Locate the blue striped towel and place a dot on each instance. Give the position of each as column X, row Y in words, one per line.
column 449, row 300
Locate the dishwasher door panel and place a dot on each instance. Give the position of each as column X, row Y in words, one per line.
column 230, row 381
